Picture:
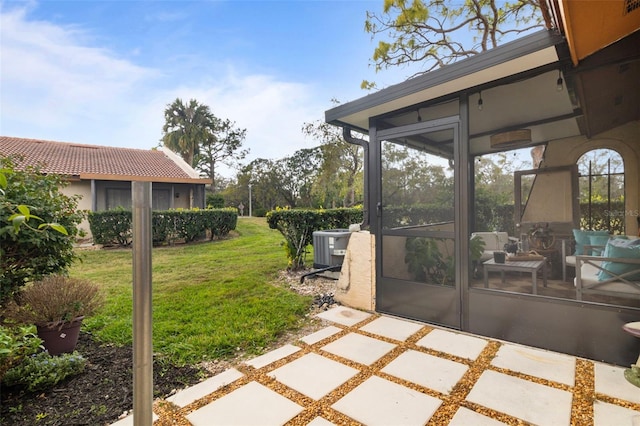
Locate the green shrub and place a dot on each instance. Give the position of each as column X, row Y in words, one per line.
column 215, row 201
column 221, row 221
column 297, row 227
column 42, row 371
column 17, row 343
column 260, row 212
column 32, row 250
column 113, row 227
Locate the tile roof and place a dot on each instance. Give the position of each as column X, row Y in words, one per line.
column 100, row 162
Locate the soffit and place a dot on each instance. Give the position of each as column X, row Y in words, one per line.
column 517, row 83
column 512, row 59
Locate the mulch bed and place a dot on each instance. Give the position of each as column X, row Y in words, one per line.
column 98, row 396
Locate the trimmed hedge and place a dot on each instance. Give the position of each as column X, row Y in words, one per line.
column 113, row 227
column 297, row 227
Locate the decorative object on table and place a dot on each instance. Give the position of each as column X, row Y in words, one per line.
column 511, row 247
column 541, row 237
column 56, row 305
column 499, row 256
column 529, row 256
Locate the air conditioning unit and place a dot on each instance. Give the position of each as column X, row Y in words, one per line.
column 329, row 247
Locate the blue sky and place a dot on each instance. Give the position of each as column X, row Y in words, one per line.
column 102, row 72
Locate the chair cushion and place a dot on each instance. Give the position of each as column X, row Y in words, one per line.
column 582, row 239
column 627, row 249
column 588, row 274
column 598, row 240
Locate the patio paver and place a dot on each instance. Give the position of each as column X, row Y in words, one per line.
column 313, row 375
column 393, row 328
column 426, row 370
column 380, row 402
column 458, row 344
column 359, row 348
column 536, row 362
column 252, row 404
column 365, row 368
column 532, row 402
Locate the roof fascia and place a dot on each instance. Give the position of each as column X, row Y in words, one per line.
column 508, row 52
column 126, row 178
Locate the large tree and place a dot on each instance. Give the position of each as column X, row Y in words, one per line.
column 222, row 145
column 296, row 174
column 434, row 33
column 341, row 168
column 186, row 127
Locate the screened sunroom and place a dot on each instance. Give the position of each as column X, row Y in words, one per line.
column 564, row 131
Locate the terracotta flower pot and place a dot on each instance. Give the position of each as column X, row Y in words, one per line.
column 60, row 339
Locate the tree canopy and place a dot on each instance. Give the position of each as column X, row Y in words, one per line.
column 434, row 33
column 200, row 138
column 186, row 127
column 222, row 145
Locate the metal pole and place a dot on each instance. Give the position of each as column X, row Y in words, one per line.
column 249, row 200
column 142, row 327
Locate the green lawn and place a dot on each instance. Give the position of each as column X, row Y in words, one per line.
column 210, row 300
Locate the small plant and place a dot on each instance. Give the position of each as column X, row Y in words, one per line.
column 17, row 343
column 42, row 371
column 55, row 301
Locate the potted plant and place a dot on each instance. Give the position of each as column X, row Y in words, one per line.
column 56, row 305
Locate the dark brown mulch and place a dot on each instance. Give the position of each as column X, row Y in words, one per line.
column 98, row 396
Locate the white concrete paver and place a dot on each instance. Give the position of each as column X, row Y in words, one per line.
column 251, row 405
column 377, row 401
column 345, row 316
column 610, row 381
column 426, row 370
column 313, row 375
column 359, row 348
column 321, row 334
column 393, row 328
column 212, row 384
column 466, row 417
column 457, row 344
column 532, row 402
column 273, row 356
column 605, row 414
column 319, row 421
column 537, row 363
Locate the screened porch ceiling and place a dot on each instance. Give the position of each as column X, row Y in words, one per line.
column 518, row 83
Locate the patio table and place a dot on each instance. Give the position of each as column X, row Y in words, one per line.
column 529, row 266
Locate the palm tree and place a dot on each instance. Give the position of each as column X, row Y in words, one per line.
column 186, row 127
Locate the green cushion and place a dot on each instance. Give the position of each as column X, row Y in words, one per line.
column 627, row 249
column 582, row 239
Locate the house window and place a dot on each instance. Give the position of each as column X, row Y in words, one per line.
column 601, row 183
column 118, row 198
column 160, row 199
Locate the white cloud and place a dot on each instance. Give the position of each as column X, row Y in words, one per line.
column 57, row 86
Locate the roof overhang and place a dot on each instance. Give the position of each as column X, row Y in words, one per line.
column 517, row 82
column 473, row 74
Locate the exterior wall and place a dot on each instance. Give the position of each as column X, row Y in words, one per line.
column 356, row 284
column 83, row 189
column 626, row 141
